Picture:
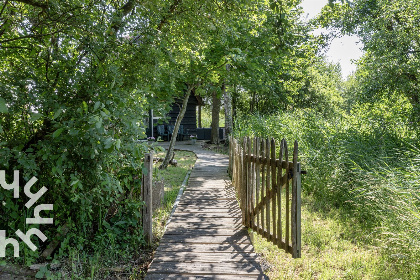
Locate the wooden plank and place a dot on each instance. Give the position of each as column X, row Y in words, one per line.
column 257, row 181
column 295, row 199
column 239, row 166
column 208, row 168
column 253, row 179
column 286, row 154
column 293, row 210
column 209, row 202
column 206, row 220
column 185, row 208
column 263, row 167
column 222, row 192
column 230, row 205
column 230, row 153
column 203, row 231
column 225, row 190
column 205, row 225
column 202, row 181
column 215, row 257
column 154, row 276
column 274, row 189
column 249, row 184
column 208, row 186
column 207, row 197
column 244, row 182
column 267, row 188
column 147, row 198
column 238, row 238
column 298, row 213
column 206, row 215
column 203, row 209
column 207, row 176
column 206, row 248
column 211, row 190
column 279, row 191
column 240, row 268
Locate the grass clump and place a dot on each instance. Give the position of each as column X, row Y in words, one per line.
column 172, row 178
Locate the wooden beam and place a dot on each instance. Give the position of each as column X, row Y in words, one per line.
column 147, row 198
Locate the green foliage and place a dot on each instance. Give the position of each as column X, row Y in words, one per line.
column 365, row 163
column 390, row 35
column 71, row 111
column 77, row 79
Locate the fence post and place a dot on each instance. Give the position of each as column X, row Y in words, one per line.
column 250, row 183
column 296, row 201
column 298, row 211
column 146, row 193
column 244, row 183
column 230, row 156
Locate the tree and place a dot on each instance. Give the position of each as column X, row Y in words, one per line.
column 215, row 113
column 272, row 58
column 227, row 103
column 390, row 35
column 77, row 79
column 170, row 152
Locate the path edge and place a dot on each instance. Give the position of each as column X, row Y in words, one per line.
column 180, row 192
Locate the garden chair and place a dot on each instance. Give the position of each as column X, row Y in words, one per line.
column 162, row 133
column 182, row 133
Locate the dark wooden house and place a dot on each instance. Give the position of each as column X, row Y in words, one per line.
column 189, row 122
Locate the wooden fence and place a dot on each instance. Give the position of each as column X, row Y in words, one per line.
column 146, row 194
column 263, row 185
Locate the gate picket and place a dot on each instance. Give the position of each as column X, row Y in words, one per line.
column 267, row 188
column 259, row 179
column 262, row 187
column 273, row 186
column 287, row 200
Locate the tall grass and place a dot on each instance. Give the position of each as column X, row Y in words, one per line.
column 366, row 164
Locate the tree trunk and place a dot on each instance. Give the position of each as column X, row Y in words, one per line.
column 234, row 104
column 181, row 114
column 228, row 110
column 199, row 116
column 215, row 111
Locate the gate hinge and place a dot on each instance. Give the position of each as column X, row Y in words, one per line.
column 290, row 176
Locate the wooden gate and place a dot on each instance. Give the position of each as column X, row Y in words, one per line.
column 263, row 185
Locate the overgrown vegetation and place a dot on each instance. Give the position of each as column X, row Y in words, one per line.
column 363, row 169
column 77, row 79
column 115, row 257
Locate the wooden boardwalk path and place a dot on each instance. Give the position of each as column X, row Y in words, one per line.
column 205, row 238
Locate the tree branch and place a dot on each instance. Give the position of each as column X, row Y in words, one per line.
column 34, row 3
column 126, row 9
column 169, row 14
column 15, row 47
column 29, row 36
column 4, row 6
